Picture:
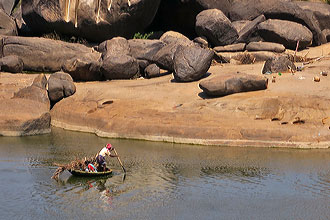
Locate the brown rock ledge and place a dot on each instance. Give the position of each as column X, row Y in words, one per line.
column 290, row 113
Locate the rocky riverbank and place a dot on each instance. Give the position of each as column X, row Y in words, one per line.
column 249, row 74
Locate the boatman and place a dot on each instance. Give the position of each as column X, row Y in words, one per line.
column 100, row 157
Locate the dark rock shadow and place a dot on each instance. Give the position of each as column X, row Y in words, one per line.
column 203, row 77
column 203, row 95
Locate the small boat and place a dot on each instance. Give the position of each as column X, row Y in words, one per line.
column 90, row 174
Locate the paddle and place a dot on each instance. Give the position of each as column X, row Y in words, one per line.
column 121, row 164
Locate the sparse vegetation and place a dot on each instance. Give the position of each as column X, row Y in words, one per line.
column 70, row 39
column 138, row 35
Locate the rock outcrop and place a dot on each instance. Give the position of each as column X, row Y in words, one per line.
column 286, row 10
column 94, row 20
column 27, row 112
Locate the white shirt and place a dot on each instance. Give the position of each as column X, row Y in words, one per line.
column 104, row 152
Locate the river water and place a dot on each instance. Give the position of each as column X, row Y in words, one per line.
column 163, row 181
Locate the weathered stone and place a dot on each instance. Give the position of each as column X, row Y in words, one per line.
column 20, row 117
column 8, row 5
column 152, row 71
column 60, row 85
column 239, row 25
column 115, row 46
column 230, row 48
column 265, row 46
column 250, row 9
column 40, row 81
column 12, row 64
column 201, row 41
column 33, row 93
column 40, row 54
column 285, row 32
column 164, row 57
column 191, row 63
column 278, row 64
column 227, row 84
column 216, row 27
column 89, row 20
column 26, row 111
column 247, row 57
column 170, row 37
column 320, row 10
column 145, row 49
column 7, row 25
column 120, row 67
column 83, row 70
column 249, row 29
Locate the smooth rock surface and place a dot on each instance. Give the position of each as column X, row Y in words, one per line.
column 191, row 63
column 226, row 84
column 41, row 54
column 216, row 27
column 265, row 46
column 285, row 32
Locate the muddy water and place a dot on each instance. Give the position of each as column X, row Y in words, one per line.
column 163, row 181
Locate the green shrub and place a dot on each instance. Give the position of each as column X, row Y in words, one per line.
column 138, row 35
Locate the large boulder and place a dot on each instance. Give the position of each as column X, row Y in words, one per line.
column 8, row 5
column 11, row 64
column 180, row 15
column 7, row 25
column 216, row 27
column 278, row 64
column 226, row 84
column 83, row 69
column 26, row 112
column 41, row 54
column 175, row 37
column 114, row 46
column 60, row 85
column 273, row 9
column 249, row 29
column 320, row 10
column 164, row 56
column 191, row 63
column 287, row 33
column 36, row 92
column 120, row 66
column 93, row 20
column 145, row 49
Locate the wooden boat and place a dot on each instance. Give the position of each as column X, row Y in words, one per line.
column 90, row 174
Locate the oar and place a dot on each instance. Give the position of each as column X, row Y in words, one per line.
column 121, row 164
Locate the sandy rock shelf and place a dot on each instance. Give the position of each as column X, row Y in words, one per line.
column 293, row 112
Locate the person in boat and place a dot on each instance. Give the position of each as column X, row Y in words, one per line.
column 100, row 157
